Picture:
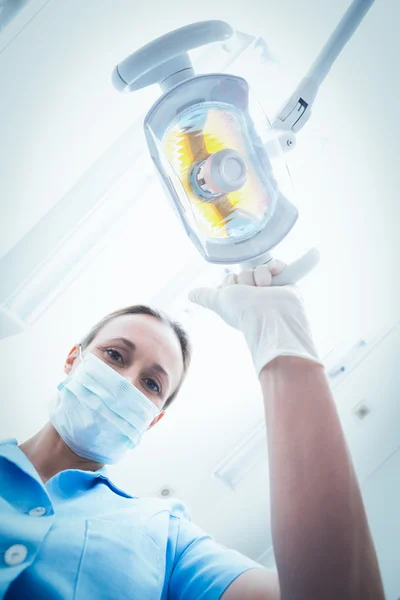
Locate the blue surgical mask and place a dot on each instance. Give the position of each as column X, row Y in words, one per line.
column 99, row 414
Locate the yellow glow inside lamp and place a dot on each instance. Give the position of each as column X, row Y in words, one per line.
column 218, row 155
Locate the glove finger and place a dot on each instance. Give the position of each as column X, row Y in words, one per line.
column 230, row 279
column 276, row 266
column 262, row 275
column 246, row 277
column 206, row 297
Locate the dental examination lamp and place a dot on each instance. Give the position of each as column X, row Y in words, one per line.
column 219, row 157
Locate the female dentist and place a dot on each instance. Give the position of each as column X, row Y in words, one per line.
column 67, row 532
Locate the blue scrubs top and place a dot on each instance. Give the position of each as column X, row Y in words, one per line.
column 80, row 537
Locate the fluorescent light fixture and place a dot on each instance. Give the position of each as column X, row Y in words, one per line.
column 15, row 15
column 37, row 269
column 346, row 357
column 9, row 10
column 252, row 451
column 247, row 455
column 267, row 558
column 50, row 256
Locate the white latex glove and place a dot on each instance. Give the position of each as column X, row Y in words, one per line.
column 272, row 318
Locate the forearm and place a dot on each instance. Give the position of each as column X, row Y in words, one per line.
column 321, row 537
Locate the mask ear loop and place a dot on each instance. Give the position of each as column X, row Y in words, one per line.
column 80, row 352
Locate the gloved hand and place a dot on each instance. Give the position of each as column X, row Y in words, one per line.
column 272, row 318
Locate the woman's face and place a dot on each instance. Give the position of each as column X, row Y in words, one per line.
column 142, row 349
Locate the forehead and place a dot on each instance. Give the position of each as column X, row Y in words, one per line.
column 148, row 333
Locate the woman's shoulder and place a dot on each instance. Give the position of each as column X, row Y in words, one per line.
column 175, row 506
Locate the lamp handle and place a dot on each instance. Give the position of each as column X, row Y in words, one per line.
column 297, row 269
column 167, row 55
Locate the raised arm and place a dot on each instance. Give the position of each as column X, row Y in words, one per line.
column 321, row 538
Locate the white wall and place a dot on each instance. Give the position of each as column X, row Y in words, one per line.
column 381, row 493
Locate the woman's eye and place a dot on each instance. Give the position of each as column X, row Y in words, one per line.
column 153, row 385
column 114, row 355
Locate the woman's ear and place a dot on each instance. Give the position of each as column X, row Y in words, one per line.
column 156, row 419
column 72, row 356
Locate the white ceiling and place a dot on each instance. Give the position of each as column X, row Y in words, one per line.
column 59, row 113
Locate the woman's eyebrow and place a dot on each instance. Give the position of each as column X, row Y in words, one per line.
column 125, row 341
column 161, row 370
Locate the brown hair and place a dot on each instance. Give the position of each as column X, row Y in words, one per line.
column 141, row 309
